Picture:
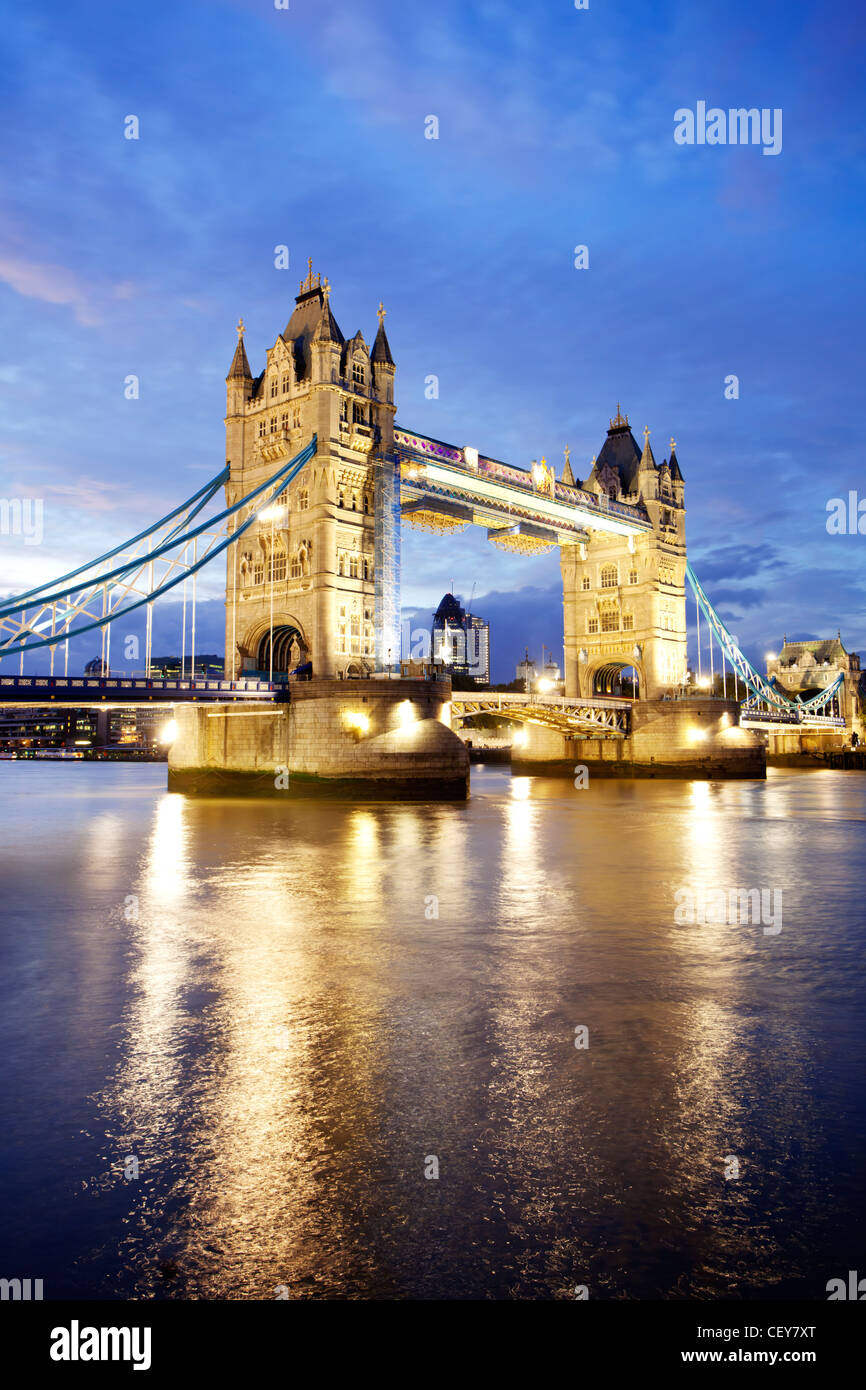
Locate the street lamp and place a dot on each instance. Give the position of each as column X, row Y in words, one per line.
column 271, row 514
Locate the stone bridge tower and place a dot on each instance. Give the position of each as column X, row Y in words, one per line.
column 624, row 598
column 317, row 554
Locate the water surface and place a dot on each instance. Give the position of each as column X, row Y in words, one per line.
column 259, row 1003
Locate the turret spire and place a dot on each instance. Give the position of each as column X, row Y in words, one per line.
column 381, row 348
column 676, row 475
column 240, row 367
column 647, row 459
column 567, row 475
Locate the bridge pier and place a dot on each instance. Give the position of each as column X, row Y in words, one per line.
column 806, row 748
column 690, row 738
column 362, row 739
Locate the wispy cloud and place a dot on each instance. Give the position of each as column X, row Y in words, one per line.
column 52, row 284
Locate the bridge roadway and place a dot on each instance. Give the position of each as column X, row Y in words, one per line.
column 84, row 691
column 568, row 714
column 775, row 721
column 609, row 714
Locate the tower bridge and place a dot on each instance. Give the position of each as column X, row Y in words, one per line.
column 319, row 478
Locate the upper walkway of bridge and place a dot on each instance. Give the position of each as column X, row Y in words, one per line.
column 457, row 487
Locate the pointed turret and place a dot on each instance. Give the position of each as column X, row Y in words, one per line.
column 567, row 475
column 381, row 348
column 327, row 329
column 384, row 371
column 240, row 367
column 676, row 475
column 647, row 458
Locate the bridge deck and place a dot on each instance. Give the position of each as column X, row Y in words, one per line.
column 569, row 714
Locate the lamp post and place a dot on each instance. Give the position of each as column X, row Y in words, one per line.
column 272, row 514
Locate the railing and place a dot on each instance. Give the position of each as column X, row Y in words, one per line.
column 109, row 686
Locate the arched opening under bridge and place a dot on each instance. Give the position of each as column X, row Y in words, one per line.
column 617, row 678
column 290, row 649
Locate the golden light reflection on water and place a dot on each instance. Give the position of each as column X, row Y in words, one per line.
column 301, row 1031
column 166, row 874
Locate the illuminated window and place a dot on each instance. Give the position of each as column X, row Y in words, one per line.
column 610, row 622
column 354, row 566
column 609, row 577
column 296, row 418
column 297, row 569
column 303, row 500
column 278, row 568
column 592, row 624
column 259, row 570
column 632, row 576
column 358, row 374
column 628, row 622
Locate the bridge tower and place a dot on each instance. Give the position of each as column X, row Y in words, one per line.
column 624, row 597
column 328, row 560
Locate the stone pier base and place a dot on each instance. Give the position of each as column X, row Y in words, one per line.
column 355, row 739
column 804, row 749
column 692, row 738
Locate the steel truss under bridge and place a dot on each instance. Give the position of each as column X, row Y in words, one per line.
column 565, row 714
column 138, row 571
column 767, row 702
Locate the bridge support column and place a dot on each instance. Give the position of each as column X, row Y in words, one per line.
column 803, row 748
column 355, row 739
column 691, row 738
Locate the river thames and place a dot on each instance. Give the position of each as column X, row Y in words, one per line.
column 237, row 1036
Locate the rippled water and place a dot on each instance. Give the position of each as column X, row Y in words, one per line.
column 257, row 1002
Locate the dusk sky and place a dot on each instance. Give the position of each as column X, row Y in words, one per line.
column 306, row 127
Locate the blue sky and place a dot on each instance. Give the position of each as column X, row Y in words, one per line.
column 306, row 127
